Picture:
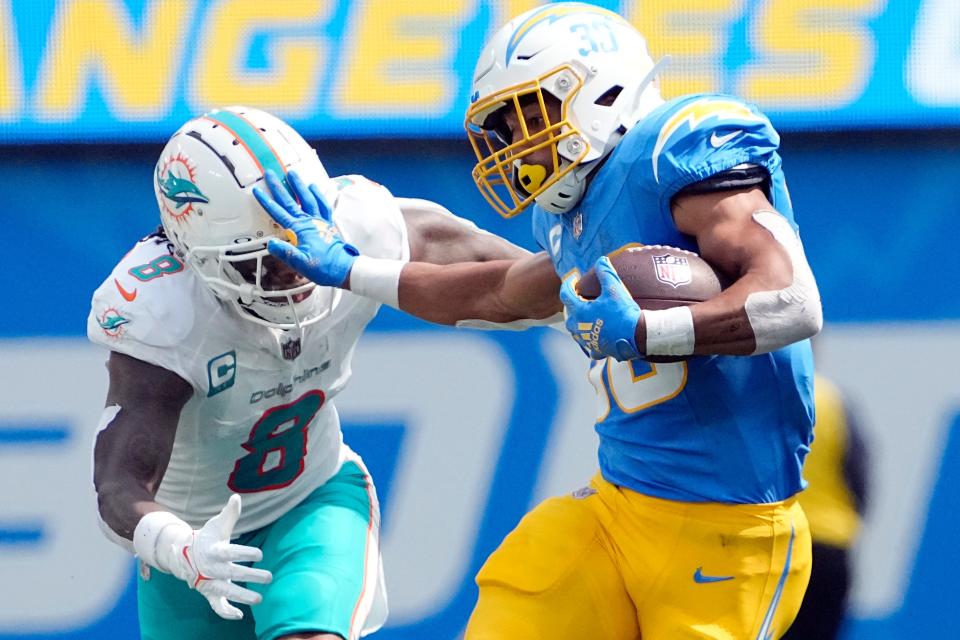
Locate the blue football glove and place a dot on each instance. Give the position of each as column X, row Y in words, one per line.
column 320, row 253
column 605, row 326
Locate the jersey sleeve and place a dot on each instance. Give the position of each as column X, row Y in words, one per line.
column 369, row 217
column 709, row 134
column 144, row 308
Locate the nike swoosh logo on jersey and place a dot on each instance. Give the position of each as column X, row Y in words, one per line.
column 129, row 296
column 719, row 141
column 700, row 578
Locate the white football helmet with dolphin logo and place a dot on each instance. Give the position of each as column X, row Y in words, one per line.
column 203, row 183
column 594, row 63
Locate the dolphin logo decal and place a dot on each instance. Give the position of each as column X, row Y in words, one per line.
column 112, row 322
column 182, row 191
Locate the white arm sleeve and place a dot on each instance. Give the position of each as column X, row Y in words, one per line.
column 782, row 317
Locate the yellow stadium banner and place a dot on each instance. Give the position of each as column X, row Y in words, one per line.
column 104, row 70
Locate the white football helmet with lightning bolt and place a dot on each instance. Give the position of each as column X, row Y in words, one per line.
column 590, row 60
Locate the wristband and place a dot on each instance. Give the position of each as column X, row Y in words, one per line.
column 669, row 332
column 148, row 531
column 377, row 279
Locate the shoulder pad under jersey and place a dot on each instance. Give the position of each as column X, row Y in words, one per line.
column 369, row 217
column 697, row 136
column 149, row 299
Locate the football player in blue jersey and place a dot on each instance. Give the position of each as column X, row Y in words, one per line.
column 691, row 529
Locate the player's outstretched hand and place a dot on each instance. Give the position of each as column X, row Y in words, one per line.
column 207, row 561
column 320, row 253
column 605, row 326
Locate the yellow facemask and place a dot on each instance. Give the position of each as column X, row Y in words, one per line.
column 505, row 180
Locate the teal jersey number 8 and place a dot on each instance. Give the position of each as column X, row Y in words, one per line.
column 275, row 458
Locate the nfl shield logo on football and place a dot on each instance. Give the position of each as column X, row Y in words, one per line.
column 672, row 270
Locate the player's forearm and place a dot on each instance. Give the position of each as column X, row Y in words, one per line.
column 724, row 325
column 450, row 293
column 128, row 464
column 122, row 505
column 721, row 325
column 773, row 301
column 495, row 291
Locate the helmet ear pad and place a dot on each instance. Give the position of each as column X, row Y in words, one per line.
column 203, row 183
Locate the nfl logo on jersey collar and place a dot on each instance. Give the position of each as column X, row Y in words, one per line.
column 577, row 225
column 291, row 348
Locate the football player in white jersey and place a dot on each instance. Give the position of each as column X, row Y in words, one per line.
column 223, row 367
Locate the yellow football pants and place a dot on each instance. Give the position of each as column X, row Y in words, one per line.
column 607, row 563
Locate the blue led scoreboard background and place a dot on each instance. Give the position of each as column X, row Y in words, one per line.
column 465, row 431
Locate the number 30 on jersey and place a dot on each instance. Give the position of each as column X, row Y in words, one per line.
column 635, row 385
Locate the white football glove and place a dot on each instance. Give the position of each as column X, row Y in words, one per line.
column 203, row 558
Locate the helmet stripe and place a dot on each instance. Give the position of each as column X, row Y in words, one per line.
column 253, row 140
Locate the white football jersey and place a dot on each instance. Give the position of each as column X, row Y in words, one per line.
column 261, row 421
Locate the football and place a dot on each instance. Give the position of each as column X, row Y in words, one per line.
column 659, row 277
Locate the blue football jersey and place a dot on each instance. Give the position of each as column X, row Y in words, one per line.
column 731, row 429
